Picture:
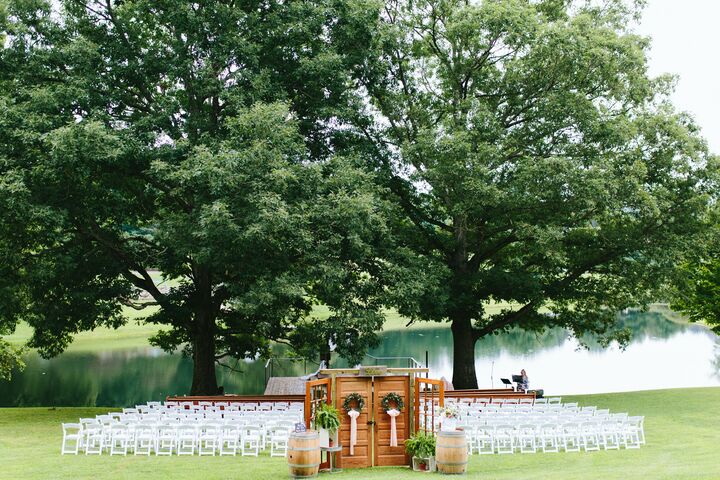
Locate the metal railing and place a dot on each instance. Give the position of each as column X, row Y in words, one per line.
column 409, row 362
column 272, row 361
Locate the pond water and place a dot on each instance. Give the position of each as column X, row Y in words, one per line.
column 662, row 354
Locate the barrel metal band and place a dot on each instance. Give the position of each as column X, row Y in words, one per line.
column 452, row 446
column 303, row 465
column 310, row 449
column 451, row 464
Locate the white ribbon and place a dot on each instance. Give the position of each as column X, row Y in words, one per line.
column 393, row 429
column 353, row 414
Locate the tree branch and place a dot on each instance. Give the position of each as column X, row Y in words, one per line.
column 232, row 369
column 512, row 317
column 480, row 256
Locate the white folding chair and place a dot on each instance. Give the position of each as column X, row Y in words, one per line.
column 571, row 437
column 166, row 440
column 484, row 440
column 94, row 439
column 279, row 437
column 608, row 435
column 145, row 438
column 208, row 439
column 470, row 436
column 504, row 438
column 590, row 436
column 186, row 439
column 548, row 438
column 632, row 432
column 526, row 435
column 72, row 438
column 119, row 439
column 250, row 440
column 229, row 439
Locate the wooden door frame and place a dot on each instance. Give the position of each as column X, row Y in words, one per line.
column 309, row 385
column 441, row 397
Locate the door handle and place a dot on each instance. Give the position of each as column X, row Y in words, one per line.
column 371, row 422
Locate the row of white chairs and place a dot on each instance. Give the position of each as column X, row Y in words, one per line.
column 606, row 434
column 199, row 416
column 546, row 427
column 503, row 401
column 568, row 408
column 173, row 428
column 179, row 439
column 276, row 406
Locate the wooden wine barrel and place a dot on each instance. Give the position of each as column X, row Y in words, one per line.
column 304, row 454
column 451, row 455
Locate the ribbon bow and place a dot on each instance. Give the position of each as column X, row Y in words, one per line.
column 393, row 429
column 353, row 414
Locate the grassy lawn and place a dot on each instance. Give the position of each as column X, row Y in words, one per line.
column 680, row 425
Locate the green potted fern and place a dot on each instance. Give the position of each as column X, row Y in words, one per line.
column 327, row 421
column 421, row 446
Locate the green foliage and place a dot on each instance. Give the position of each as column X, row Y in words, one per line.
column 10, row 359
column 192, row 139
column 269, row 156
column 534, row 161
column 698, row 294
column 327, row 417
column 421, row 444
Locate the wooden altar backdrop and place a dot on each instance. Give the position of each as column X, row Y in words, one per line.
column 373, row 425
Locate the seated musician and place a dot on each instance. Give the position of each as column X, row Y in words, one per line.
column 524, row 385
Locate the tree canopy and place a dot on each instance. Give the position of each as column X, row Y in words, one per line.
column 697, row 291
column 433, row 155
column 191, row 139
column 535, row 162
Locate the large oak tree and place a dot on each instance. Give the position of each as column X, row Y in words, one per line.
column 194, row 139
column 535, row 162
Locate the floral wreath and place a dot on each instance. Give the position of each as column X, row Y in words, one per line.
column 392, row 397
column 354, row 397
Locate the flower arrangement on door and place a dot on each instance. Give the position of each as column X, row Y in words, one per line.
column 393, row 404
column 353, row 405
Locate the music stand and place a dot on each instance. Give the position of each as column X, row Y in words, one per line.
column 506, row 382
column 519, row 380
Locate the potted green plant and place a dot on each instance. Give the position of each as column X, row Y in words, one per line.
column 327, row 421
column 421, row 446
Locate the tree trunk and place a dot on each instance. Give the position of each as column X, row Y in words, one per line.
column 464, row 376
column 204, row 380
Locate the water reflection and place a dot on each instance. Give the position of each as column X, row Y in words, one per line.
column 662, row 354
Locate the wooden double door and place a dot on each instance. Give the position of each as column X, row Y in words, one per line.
column 373, row 425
